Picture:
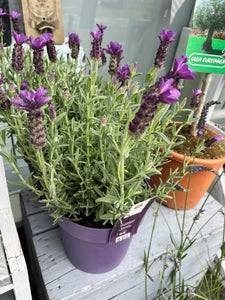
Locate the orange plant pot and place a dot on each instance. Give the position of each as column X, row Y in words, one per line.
column 199, row 182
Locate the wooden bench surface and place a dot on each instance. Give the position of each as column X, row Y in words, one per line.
column 59, row 279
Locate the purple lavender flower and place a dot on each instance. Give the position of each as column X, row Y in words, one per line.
column 195, row 98
column 38, row 45
column 74, row 44
column 180, row 71
column 123, row 74
column 101, row 27
column 52, row 113
column 96, row 45
column 162, row 91
column 24, row 85
column 17, row 54
column 211, row 142
column 1, row 24
column 116, row 52
column 166, row 37
column 50, row 44
column 202, row 120
column 32, row 102
column 14, row 17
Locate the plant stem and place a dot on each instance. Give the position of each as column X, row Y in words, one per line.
column 205, row 86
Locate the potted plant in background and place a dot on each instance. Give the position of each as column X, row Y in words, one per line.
column 93, row 139
column 202, row 153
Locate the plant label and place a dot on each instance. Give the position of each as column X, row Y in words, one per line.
column 128, row 225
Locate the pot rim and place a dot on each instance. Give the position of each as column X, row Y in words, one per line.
column 93, row 229
column 180, row 157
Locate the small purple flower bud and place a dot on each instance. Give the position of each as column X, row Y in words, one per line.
column 134, row 69
column 11, row 86
column 84, row 58
column 211, row 142
column 52, row 77
column 2, row 48
column 195, row 98
column 84, row 71
column 103, row 57
column 66, row 94
column 52, row 113
column 103, row 124
column 24, row 85
column 114, row 80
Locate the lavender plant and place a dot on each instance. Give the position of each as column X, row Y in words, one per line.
column 94, row 140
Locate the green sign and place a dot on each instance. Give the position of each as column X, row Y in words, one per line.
column 206, row 43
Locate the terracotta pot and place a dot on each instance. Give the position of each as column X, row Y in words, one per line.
column 199, row 182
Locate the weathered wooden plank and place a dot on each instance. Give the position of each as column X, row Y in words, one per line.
column 30, row 206
column 11, row 243
column 38, row 227
column 5, row 281
column 62, row 280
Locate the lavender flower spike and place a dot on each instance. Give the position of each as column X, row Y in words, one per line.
column 50, row 44
column 37, row 45
column 74, row 44
column 166, row 37
column 32, row 102
column 195, row 98
column 17, row 54
column 116, row 52
column 96, row 45
column 14, row 17
column 211, row 142
column 123, row 74
column 162, row 91
column 202, row 120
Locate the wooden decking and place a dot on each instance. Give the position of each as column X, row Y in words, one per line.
column 57, row 278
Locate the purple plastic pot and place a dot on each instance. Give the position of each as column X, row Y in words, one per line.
column 88, row 248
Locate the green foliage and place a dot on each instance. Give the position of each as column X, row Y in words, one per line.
column 91, row 166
